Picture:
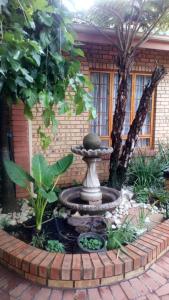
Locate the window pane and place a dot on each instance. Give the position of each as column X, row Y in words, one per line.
column 141, row 82
column 142, row 143
column 101, row 100
column 126, row 125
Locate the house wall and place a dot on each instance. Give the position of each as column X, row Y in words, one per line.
column 21, row 153
column 71, row 130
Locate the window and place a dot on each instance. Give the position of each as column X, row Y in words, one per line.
column 105, row 94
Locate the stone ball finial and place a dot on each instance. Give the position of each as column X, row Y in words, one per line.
column 91, row 141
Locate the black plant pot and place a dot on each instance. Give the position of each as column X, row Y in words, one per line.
column 93, row 236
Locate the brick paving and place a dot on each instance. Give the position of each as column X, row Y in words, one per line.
column 151, row 285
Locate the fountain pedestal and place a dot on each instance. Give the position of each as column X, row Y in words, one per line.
column 91, row 186
column 91, row 198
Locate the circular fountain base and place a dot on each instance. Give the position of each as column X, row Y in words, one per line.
column 71, row 199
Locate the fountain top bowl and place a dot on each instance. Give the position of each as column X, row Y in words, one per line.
column 93, row 153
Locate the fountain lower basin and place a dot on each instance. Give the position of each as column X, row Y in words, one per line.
column 71, row 198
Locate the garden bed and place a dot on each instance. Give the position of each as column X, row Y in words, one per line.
column 83, row 270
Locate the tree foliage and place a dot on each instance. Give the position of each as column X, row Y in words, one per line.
column 39, row 60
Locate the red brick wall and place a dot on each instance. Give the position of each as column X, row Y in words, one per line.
column 20, row 130
column 71, row 130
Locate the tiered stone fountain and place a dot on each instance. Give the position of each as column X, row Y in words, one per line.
column 91, row 198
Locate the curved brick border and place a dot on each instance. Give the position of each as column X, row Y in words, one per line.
column 83, row 270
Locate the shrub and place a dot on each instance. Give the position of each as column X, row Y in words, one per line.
column 121, row 236
column 39, row 240
column 145, row 173
column 55, row 246
column 91, row 243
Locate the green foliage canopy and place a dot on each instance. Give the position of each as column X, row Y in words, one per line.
column 39, row 61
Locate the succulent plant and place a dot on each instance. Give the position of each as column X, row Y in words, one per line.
column 91, row 141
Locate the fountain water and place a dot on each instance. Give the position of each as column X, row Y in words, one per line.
column 91, row 197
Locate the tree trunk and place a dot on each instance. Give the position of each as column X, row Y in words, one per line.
column 8, row 199
column 118, row 119
column 138, row 122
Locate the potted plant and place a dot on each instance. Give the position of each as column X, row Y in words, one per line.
column 91, row 242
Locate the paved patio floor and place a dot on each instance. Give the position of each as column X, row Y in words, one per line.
column 152, row 285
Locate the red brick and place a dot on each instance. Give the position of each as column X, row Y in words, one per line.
column 98, row 266
column 127, row 260
column 27, row 259
column 148, row 245
column 143, row 255
column 76, row 267
column 66, row 267
column 156, row 239
column 151, row 284
column 152, row 242
column 105, row 293
column 22, row 254
column 141, row 288
column 13, row 245
column 128, row 289
column 118, row 264
column 44, row 294
column 44, row 266
column 56, row 295
column 7, row 248
column 6, row 239
column 94, row 294
column 152, row 297
column 68, row 295
column 30, row 293
column 157, row 277
column 136, row 258
column 87, row 267
column 13, row 254
column 161, row 271
column 160, row 236
column 19, row 289
column 144, row 249
column 55, row 272
column 79, row 295
column 34, row 264
column 118, row 293
column 163, row 290
column 108, row 265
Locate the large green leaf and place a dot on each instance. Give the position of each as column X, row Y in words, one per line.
column 39, row 168
column 61, row 165
column 49, row 196
column 17, row 174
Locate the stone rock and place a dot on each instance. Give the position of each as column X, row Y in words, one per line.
column 12, row 222
column 127, row 194
column 108, row 215
column 82, row 224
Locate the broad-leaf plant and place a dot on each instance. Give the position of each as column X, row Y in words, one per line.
column 39, row 61
column 44, row 178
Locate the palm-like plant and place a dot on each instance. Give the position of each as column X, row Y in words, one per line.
column 44, row 178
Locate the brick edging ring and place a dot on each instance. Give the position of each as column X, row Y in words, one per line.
column 83, row 270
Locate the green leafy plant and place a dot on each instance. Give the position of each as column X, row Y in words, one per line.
column 143, row 214
column 39, row 61
column 39, row 240
column 121, row 236
column 91, row 243
column 44, row 178
column 144, row 173
column 55, row 246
